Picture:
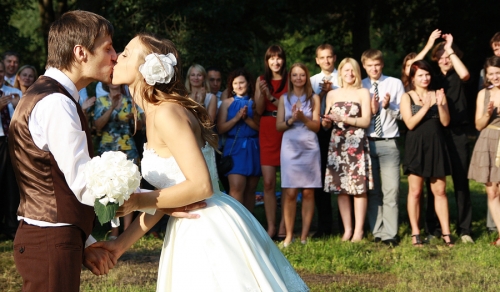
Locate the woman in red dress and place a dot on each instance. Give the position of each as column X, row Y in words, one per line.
column 270, row 87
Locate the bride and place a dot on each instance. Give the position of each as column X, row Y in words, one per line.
column 224, row 248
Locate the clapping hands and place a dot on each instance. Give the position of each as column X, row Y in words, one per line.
column 436, row 34
column 88, row 103
column 242, row 113
column 326, row 85
column 375, row 103
column 490, row 108
column 427, row 100
column 440, row 97
column 263, row 88
column 449, row 41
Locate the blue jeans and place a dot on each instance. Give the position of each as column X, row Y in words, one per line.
column 383, row 199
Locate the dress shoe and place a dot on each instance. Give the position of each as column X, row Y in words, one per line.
column 466, row 239
column 391, row 242
column 377, row 239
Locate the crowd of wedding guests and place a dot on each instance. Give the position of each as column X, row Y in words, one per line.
column 330, row 133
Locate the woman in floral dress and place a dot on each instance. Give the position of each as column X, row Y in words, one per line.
column 348, row 170
column 114, row 120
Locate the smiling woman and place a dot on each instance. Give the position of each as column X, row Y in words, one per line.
column 25, row 77
column 237, row 119
column 348, row 171
column 425, row 113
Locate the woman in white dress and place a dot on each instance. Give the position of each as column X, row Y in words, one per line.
column 224, row 248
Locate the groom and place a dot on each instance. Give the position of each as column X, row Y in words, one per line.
column 49, row 142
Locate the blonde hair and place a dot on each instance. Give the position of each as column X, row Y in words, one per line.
column 372, row 54
column 174, row 91
column 200, row 68
column 35, row 73
column 307, row 87
column 355, row 67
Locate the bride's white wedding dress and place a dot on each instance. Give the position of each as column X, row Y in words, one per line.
column 226, row 249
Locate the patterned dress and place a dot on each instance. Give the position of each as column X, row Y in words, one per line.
column 116, row 135
column 348, row 169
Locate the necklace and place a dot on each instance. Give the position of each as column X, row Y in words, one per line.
column 419, row 97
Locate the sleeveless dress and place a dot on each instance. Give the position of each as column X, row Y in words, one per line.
column 269, row 137
column 482, row 165
column 300, row 157
column 425, row 147
column 348, row 168
column 226, row 249
column 242, row 141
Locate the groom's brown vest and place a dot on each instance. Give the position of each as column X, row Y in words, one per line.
column 45, row 195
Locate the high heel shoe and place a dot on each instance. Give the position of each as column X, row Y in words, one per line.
column 448, row 243
column 418, row 241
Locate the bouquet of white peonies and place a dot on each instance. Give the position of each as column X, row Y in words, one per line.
column 111, row 179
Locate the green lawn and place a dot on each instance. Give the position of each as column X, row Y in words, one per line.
column 332, row 265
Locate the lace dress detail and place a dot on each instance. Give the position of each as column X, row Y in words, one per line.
column 226, row 249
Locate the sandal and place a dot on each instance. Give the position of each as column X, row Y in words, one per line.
column 495, row 243
column 448, row 243
column 418, row 241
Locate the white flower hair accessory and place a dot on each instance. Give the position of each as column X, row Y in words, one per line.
column 158, row 68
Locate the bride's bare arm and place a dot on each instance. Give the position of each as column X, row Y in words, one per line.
column 172, row 127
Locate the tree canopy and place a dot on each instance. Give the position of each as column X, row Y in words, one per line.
column 230, row 34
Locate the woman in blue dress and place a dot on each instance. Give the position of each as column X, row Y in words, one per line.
column 237, row 119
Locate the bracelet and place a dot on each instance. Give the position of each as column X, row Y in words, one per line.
column 287, row 124
column 452, row 54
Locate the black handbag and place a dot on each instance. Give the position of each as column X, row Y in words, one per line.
column 226, row 163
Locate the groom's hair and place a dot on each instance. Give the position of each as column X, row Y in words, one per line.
column 74, row 28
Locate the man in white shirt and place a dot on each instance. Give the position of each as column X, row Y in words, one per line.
column 9, row 191
column 386, row 95
column 49, row 145
column 322, row 83
column 11, row 62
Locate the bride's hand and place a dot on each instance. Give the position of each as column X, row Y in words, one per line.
column 183, row 212
column 128, row 206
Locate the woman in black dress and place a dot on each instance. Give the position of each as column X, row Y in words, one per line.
column 425, row 113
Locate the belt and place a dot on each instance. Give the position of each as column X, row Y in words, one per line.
column 497, row 158
column 380, row 139
column 270, row 114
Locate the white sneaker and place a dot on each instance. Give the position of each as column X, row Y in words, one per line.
column 467, row 239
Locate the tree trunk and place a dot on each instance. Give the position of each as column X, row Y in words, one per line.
column 361, row 27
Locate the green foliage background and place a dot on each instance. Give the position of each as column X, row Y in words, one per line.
column 230, row 34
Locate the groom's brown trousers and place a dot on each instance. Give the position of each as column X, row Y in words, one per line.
column 49, row 259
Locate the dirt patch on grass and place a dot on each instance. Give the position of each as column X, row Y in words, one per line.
column 373, row 281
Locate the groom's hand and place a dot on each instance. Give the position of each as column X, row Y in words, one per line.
column 183, row 212
column 98, row 260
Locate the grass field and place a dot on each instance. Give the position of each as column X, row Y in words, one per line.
column 332, row 265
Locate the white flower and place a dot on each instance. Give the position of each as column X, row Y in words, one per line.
column 158, row 68
column 111, row 178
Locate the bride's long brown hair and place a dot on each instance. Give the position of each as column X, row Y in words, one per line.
column 174, row 91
